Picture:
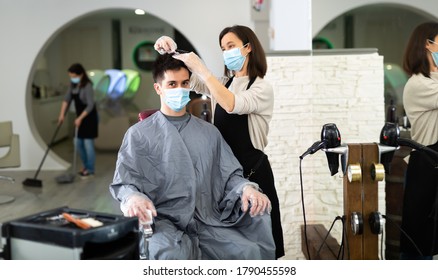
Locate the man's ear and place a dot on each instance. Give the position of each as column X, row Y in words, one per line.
column 157, row 88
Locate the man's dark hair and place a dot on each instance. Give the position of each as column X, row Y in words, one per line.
column 166, row 62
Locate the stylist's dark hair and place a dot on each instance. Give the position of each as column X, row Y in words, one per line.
column 78, row 69
column 166, row 62
column 257, row 65
column 415, row 58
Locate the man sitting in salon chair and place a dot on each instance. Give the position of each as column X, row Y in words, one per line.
column 179, row 167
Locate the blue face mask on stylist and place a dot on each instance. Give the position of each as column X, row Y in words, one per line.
column 435, row 58
column 234, row 59
column 75, row 80
column 177, row 98
column 434, row 54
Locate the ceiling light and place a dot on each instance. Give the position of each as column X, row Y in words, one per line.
column 140, row 12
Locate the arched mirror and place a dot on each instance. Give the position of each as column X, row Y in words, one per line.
column 387, row 28
column 104, row 42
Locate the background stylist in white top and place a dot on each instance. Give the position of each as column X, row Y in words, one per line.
column 242, row 103
column 419, row 239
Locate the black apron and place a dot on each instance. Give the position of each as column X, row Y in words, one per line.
column 88, row 127
column 255, row 163
column 419, row 215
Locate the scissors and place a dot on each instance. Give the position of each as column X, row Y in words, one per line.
column 177, row 51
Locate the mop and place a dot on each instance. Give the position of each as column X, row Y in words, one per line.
column 34, row 182
column 70, row 177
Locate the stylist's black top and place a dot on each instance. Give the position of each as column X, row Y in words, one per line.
column 234, row 129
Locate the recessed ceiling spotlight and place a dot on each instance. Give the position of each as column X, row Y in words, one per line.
column 140, row 12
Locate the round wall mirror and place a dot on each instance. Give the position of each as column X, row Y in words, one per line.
column 115, row 39
column 387, row 28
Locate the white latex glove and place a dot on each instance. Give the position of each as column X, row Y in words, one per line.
column 165, row 44
column 195, row 64
column 140, row 206
column 257, row 201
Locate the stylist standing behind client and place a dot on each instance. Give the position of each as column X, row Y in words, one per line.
column 420, row 100
column 82, row 93
column 242, row 106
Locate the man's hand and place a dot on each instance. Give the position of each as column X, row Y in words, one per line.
column 195, row 64
column 137, row 205
column 257, row 201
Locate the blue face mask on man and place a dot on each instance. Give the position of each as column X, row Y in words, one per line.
column 234, row 59
column 176, row 98
column 75, row 80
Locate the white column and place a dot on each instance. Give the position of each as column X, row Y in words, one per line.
column 290, row 25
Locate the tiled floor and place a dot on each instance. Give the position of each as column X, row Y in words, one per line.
column 87, row 194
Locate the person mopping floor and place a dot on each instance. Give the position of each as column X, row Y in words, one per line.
column 82, row 93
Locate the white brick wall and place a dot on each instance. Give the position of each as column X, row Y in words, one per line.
column 311, row 91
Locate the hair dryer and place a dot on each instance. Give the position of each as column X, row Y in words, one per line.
column 330, row 138
column 388, row 144
column 331, row 143
column 390, row 141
